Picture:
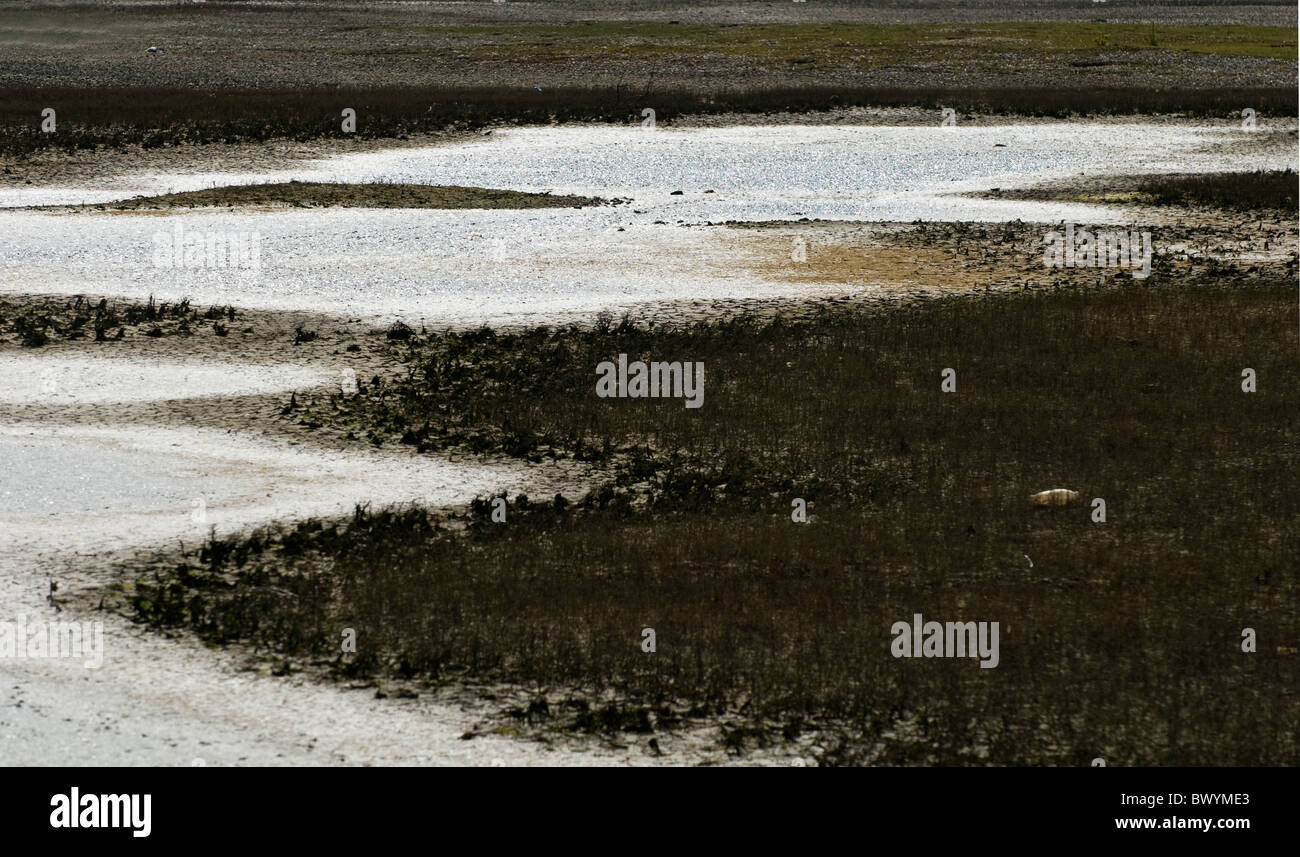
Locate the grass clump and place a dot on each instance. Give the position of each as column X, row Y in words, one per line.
column 38, row 321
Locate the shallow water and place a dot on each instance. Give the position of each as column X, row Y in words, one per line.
column 104, row 487
column 49, row 478
column 471, row 266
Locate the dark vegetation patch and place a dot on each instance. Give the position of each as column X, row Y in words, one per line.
column 1254, row 191
column 326, row 194
column 117, row 117
column 1261, row 190
column 33, row 322
column 1119, row 639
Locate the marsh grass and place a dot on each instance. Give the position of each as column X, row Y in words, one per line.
column 117, row 117
column 1254, row 191
column 37, row 321
column 1119, row 639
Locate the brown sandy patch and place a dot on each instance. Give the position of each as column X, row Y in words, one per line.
column 892, row 260
column 870, row 257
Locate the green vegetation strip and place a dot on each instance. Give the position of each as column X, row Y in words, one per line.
column 854, row 43
column 1120, row 639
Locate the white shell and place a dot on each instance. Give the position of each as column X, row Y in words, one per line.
column 1054, row 497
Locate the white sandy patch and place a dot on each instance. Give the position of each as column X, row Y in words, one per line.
column 757, row 172
column 60, row 380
